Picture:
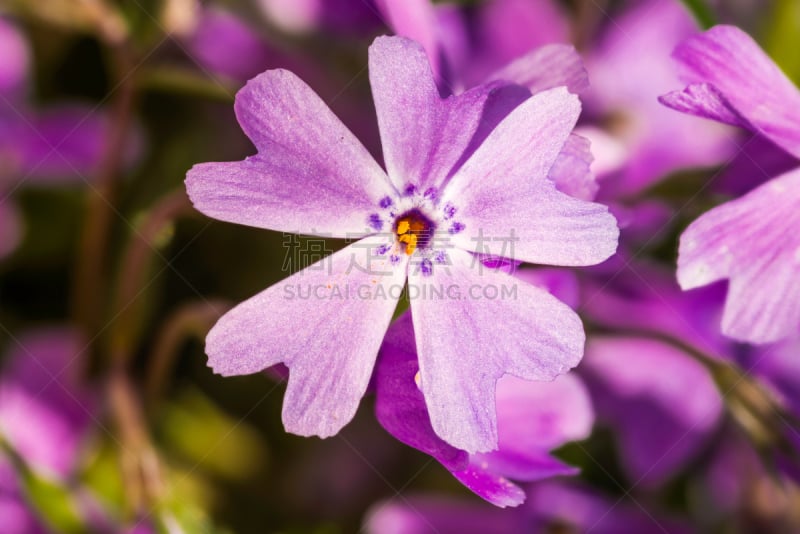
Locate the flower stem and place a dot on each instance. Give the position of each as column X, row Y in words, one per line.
column 134, row 266
column 191, row 320
column 90, row 282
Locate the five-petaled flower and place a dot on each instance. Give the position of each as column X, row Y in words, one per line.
column 751, row 241
column 456, row 167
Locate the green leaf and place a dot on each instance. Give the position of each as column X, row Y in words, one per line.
column 54, row 502
column 782, row 37
column 701, row 12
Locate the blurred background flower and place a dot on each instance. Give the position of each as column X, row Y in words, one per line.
column 110, row 419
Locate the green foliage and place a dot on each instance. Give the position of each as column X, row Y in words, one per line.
column 782, row 38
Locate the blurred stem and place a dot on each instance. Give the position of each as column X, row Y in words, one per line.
column 91, row 273
column 134, row 267
column 183, row 81
column 588, row 15
column 701, row 12
column 140, row 466
column 191, row 320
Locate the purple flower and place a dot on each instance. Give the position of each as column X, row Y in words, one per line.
column 533, row 418
column 512, row 40
column 629, row 67
column 228, row 46
column 752, row 241
column 346, row 18
column 62, row 144
column 44, row 413
column 662, row 403
column 554, row 506
column 458, row 171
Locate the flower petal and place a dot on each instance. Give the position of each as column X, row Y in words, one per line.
column 399, row 404
column 752, row 241
column 546, row 67
column 311, row 174
column 67, row 143
column 540, row 416
column 731, row 61
column 16, row 57
column 326, row 324
column 463, row 349
column 704, row 100
column 534, row 418
column 572, row 170
column 416, row 20
column 507, row 29
column 502, row 191
column 226, row 45
column 45, row 409
column 424, row 137
column 662, row 418
column 493, row 487
column 426, row 514
column 625, row 85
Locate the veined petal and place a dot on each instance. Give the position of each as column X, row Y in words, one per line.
column 503, row 190
column 267, row 192
column 547, row 67
column 424, row 137
column 529, row 466
column 324, row 325
column 311, row 175
column 491, row 486
column 464, row 349
column 704, row 100
column 731, row 61
column 399, row 404
column 753, row 242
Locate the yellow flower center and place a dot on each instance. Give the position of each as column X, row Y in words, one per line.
column 413, row 230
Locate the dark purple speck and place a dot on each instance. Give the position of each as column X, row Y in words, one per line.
column 426, row 267
column 375, row 221
column 456, row 227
